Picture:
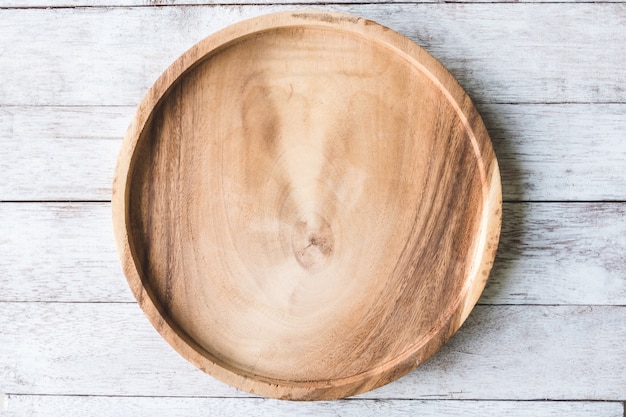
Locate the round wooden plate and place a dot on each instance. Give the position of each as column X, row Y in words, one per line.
column 307, row 205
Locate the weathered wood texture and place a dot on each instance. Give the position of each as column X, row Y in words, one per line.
column 297, row 3
column 319, row 224
column 546, row 152
column 59, row 252
column 548, row 254
column 499, row 52
column 502, row 352
column 60, row 153
column 41, row 406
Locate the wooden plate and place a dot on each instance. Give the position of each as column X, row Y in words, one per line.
column 307, row 205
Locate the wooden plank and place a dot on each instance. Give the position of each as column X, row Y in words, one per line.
column 549, row 254
column 502, row 352
column 50, row 406
column 545, row 152
column 23, row 4
column 59, row 252
column 522, row 352
column 500, row 53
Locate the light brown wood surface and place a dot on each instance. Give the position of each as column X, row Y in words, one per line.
column 307, row 205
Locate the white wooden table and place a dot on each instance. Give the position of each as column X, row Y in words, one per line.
column 548, row 337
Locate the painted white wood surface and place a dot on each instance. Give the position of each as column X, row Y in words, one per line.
column 549, row 78
column 39, row 406
column 549, row 254
column 500, row 52
column 60, row 153
column 500, row 353
column 546, row 152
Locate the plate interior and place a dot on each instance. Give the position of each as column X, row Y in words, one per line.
column 303, row 205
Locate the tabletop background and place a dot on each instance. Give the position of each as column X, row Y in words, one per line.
column 548, row 337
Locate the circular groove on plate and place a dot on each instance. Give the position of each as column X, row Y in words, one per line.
column 307, row 205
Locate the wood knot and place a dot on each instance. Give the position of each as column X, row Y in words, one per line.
column 312, row 243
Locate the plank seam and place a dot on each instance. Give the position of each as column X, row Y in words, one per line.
column 65, row 302
column 131, row 5
column 371, row 399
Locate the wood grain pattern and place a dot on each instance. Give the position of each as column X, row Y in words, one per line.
column 39, row 406
column 307, row 205
column 24, row 4
column 555, row 253
column 561, row 254
column 60, row 153
column 502, row 353
column 568, row 55
column 119, row 52
column 59, row 252
column 545, row 152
